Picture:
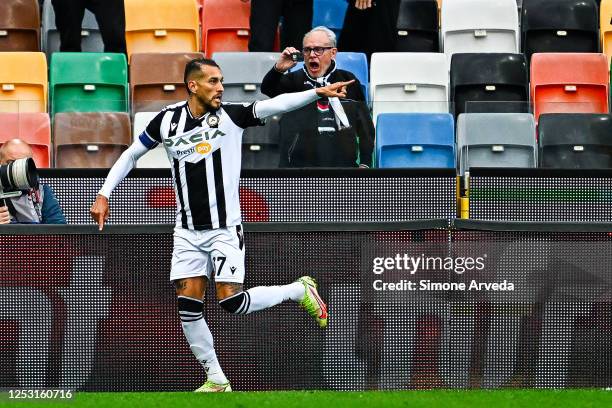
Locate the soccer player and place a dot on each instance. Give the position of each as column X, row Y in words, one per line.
column 202, row 137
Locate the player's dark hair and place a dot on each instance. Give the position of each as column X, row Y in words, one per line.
column 196, row 65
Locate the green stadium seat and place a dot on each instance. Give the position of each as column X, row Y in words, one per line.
column 88, row 82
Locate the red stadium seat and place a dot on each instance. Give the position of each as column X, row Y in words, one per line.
column 225, row 26
column 33, row 128
column 569, row 83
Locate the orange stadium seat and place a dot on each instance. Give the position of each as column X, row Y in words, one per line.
column 92, row 140
column 225, row 26
column 23, row 82
column 605, row 27
column 161, row 26
column 156, row 79
column 33, row 128
column 19, row 25
column 569, row 83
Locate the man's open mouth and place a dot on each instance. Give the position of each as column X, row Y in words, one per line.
column 313, row 65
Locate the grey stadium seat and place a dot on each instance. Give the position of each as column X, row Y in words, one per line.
column 243, row 73
column 496, row 140
column 91, row 39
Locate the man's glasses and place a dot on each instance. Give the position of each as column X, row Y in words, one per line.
column 316, row 50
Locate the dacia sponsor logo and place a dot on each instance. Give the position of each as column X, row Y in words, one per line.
column 197, row 138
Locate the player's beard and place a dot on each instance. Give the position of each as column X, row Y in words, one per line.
column 209, row 105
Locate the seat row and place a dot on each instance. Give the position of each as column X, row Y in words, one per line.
column 461, row 26
column 489, row 82
column 494, row 26
column 581, row 141
column 151, row 25
column 408, row 140
column 97, row 139
column 398, row 82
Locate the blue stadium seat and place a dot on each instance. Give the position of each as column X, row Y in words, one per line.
column 329, row 13
column 415, row 140
column 357, row 63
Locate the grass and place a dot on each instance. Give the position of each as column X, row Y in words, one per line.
column 335, row 399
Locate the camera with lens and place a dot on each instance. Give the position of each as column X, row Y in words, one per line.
column 17, row 176
column 297, row 56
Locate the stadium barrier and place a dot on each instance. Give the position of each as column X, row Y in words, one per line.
column 540, row 194
column 146, row 196
column 413, row 305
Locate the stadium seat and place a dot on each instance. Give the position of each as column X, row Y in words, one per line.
column 156, row 158
column 156, row 79
column 19, row 25
column 260, row 145
column 161, row 26
column 357, row 63
column 569, row 83
column 415, row 140
column 408, row 82
column 23, row 81
column 605, row 27
column 88, row 82
column 559, row 26
column 33, row 128
column 496, row 140
column 90, row 140
column 489, row 83
column 225, row 26
column 329, row 13
column 91, row 39
column 479, row 26
column 244, row 85
column 417, row 26
column 575, row 140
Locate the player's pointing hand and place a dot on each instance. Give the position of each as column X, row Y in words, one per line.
column 337, row 89
column 99, row 211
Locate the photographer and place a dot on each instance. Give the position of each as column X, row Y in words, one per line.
column 329, row 132
column 37, row 206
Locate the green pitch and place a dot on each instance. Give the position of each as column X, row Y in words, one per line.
column 332, row 399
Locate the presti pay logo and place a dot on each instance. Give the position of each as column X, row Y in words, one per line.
column 203, row 148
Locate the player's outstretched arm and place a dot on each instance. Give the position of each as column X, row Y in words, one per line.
column 292, row 101
column 99, row 210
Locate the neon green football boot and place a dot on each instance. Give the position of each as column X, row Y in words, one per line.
column 312, row 302
column 210, row 386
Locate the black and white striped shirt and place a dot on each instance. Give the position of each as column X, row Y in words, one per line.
column 205, row 154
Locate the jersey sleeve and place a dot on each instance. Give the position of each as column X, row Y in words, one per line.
column 243, row 115
column 151, row 136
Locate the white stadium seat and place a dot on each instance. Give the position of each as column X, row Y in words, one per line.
column 408, row 82
column 479, row 26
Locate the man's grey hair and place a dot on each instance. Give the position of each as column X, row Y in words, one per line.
column 331, row 36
